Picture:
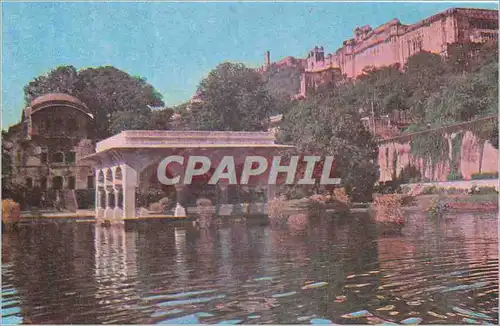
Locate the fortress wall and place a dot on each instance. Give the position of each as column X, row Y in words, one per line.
column 475, row 156
column 394, row 44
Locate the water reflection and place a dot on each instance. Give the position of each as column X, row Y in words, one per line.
column 328, row 270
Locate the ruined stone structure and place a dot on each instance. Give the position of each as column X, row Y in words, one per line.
column 393, row 43
column 44, row 148
column 285, row 62
column 473, row 156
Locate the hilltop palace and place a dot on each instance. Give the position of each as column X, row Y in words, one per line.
column 391, row 44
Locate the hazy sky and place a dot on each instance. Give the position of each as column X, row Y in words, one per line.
column 173, row 45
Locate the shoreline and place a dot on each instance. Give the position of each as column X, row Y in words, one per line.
column 454, row 203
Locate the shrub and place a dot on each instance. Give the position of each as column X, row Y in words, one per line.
column 11, row 211
column 318, row 202
column 296, row 192
column 484, row 175
column 276, row 210
column 323, row 199
column 341, row 195
column 475, row 190
column 155, row 207
column 430, row 190
column 409, row 174
column 165, row 203
column 455, row 191
column 452, row 176
column 148, row 196
column 389, row 187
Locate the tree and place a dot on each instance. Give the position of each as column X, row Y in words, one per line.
column 6, row 169
column 383, row 88
column 329, row 125
column 63, row 79
column 424, row 74
column 105, row 90
column 161, row 119
column 466, row 97
column 232, row 97
column 149, row 120
column 283, row 83
column 127, row 120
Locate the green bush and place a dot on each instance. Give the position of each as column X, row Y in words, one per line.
column 297, row 192
column 453, row 176
column 409, row 174
column 455, row 191
column 85, row 198
column 474, row 190
column 146, row 197
column 430, row 190
column 484, row 175
column 389, row 187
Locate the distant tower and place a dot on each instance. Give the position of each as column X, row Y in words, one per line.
column 267, row 60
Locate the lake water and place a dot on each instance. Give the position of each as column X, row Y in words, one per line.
column 443, row 273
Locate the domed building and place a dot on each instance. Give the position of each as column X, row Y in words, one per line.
column 55, row 131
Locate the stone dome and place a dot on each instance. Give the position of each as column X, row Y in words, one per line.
column 58, row 99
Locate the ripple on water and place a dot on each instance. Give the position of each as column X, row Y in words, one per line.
column 189, row 319
column 190, row 301
column 179, row 295
column 11, row 320
column 163, row 313
column 254, row 273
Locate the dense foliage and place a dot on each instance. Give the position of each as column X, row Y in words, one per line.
column 283, row 83
column 118, row 100
column 232, row 97
column 327, row 125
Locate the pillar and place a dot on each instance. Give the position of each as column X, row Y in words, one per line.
column 222, row 207
column 99, row 204
column 179, row 209
column 129, row 183
column 108, row 211
column 271, row 192
column 118, row 210
column 96, row 193
column 223, row 194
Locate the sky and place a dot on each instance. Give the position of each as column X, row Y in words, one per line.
column 174, row 45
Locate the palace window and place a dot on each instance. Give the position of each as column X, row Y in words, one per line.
column 57, row 157
column 29, row 183
column 43, row 183
column 70, row 157
column 71, row 182
column 72, row 125
column 57, row 182
column 90, row 182
column 483, row 24
column 44, row 156
column 47, row 125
